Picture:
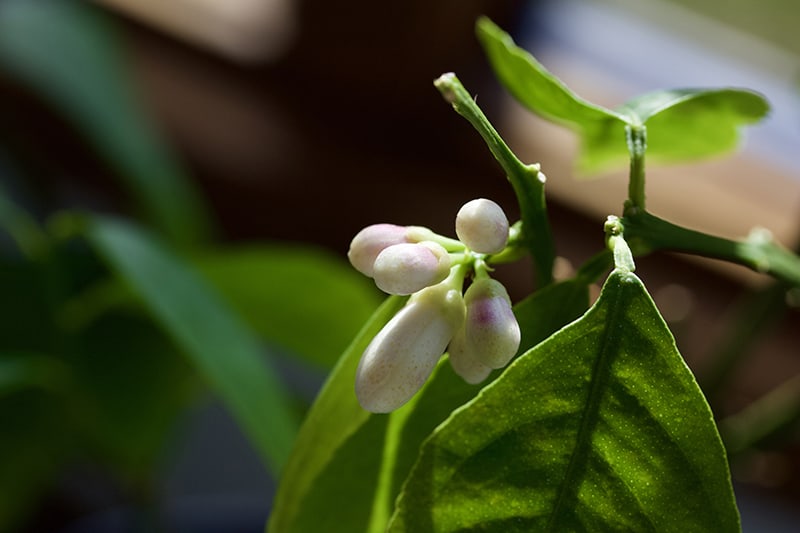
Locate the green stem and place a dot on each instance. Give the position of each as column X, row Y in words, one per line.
column 637, row 145
column 527, row 181
column 646, row 232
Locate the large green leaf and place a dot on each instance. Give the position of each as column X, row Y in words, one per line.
column 71, row 56
column 210, row 334
column 681, row 124
column 340, row 438
column 287, row 292
column 599, row 428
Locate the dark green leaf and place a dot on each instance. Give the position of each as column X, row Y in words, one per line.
column 210, row 334
column 130, row 386
column 549, row 309
column 304, row 299
column 599, row 428
column 70, row 54
column 687, row 124
column 36, row 442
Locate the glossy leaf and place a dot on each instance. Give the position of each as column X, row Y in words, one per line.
column 69, row 54
column 599, row 428
column 209, row 333
column 303, row 299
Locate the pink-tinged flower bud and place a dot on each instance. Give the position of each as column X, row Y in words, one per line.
column 491, row 329
column 371, row 241
column 403, row 354
column 464, row 362
column 408, row 267
column 483, row 226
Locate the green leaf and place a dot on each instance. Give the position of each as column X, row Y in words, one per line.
column 37, row 442
column 685, row 124
column 69, row 53
column 549, row 309
column 601, row 130
column 210, row 334
column 682, row 124
column 130, row 387
column 285, row 292
column 534, row 86
column 329, row 480
column 599, row 428
column 384, row 448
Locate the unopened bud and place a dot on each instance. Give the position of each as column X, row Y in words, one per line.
column 491, row 329
column 483, row 226
column 403, row 354
column 408, row 267
column 371, row 241
column 464, row 362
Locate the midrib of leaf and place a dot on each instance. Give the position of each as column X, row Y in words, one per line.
column 568, row 491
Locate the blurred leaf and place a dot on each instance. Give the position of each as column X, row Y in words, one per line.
column 304, row 299
column 339, row 437
column 130, row 386
column 26, row 324
column 210, row 334
column 69, row 53
column 23, row 370
column 599, row 428
column 337, row 452
column 712, row 117
column 36, row 442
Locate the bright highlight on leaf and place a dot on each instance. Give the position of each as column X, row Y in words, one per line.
column 681, row 124
column 600, row 428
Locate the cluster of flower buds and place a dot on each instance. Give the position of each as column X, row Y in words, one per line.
column 477, row 328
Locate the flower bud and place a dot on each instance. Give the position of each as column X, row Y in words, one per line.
column 483, row 226
column 491, row 329
column 403, row 354
column 371, row 241
column 464, row 362
column 408, row 267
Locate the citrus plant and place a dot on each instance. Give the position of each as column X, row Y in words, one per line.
column 451, row 413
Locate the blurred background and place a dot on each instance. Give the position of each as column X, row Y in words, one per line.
column 246, row 132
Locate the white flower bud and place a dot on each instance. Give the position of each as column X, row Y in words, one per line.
column 371, row 241
column 408, row 267
column 491, row 329
column 464, row 362
column 403, row 354
column 483, row 226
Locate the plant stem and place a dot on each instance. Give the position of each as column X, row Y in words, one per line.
column 527, row 181
column 646, row 232
column 637, row 145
